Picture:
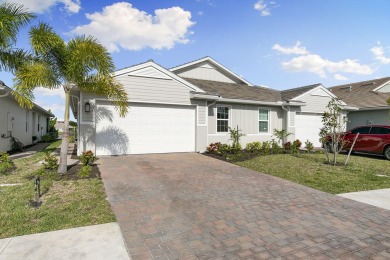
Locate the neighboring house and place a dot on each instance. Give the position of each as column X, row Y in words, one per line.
column 21, row 123
column 190, row 106
column 370, row 97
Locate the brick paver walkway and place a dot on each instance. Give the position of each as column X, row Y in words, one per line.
column 189, row 206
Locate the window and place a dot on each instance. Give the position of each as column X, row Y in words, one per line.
column 222, row 119
column 263, row 120
column 380, row 131
column 361, row 130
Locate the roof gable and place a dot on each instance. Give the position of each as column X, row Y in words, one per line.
column 319, row 90
column 221, row 73
column 150, row 69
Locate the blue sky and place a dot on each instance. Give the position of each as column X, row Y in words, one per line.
column 279, row 44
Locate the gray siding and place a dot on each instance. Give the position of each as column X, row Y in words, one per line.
column 201, row 115
column 201, row 138
column 357, row 118
column 246, row 117
column 385, row 88
column 315, row 104
column 205, row 73
column 154, row 90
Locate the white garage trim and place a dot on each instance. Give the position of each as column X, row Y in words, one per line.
column 147, row 128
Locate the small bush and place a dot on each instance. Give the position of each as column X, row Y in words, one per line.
column 287, row 146
column 50, row 162
column 48, row 138
column 266, row 148
column 309, row 146
column 88, row 158
column 275, row 148
column 85, row 171
column 295, row 146
column 253, row 147
column 6, row 164
column 297, row 143
column 213, row 147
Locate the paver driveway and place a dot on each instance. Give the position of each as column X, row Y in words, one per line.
column 189, row 206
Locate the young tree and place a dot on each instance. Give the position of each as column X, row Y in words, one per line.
column 12, row 19
column 81, row 63
column 331, row 133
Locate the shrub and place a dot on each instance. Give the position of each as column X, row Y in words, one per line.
column 71, row 139
column 224, row 149
column 88, row 158
column 309, row 146
column 48, row 138
column 275, row 148
column 235, row 137
column 213, row 147
column 297, row 143
column 85, row 171
column 50, row 162
column 6, row 164
column 253, row 147
column 281, row 134
column 287, row 146
column 266, row 148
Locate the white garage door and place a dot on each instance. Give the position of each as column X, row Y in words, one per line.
column 307, row 127
column 147, row 128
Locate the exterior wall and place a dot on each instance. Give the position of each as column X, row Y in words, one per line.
column 205, row 71
column 154, row 90
column 246, row 117
column 24, row 126
column 314, row 103
column 86, row 138
column 357, row 118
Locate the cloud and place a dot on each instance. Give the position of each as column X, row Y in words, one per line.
column 264, row 8
column 296, row 49
column 41, row 6
column 339, row 77
column 316, row 64
column 122, row 26
column 50, row 92
column 379, row 54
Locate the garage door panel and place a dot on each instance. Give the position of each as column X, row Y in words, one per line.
column 307, row 127
column 149, row 129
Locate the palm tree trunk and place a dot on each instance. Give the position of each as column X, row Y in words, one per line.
column 63, row 167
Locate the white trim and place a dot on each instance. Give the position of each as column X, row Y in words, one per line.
column 215, row 63
column 266, row 103
column 160, row 69
column 258, row 120
column 260, row 134
column 372, row 108
column 381, row 86
column 289, row 118
column 229, row 119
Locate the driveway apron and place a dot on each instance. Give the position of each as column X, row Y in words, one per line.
column 189, row 206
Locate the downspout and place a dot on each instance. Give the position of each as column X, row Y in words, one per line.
column 287, row 120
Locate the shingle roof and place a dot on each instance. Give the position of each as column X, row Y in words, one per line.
column 362, row 94
column 237, row 91
column 295, row 92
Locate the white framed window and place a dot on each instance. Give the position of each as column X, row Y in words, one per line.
column 223, row 117
column 263, row 120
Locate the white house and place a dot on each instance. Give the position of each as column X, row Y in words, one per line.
column 21, row 123
column 370, row 97
column 185, row 108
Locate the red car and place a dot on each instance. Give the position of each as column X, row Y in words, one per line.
column 374, row 139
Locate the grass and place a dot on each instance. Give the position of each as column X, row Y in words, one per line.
column 66, row 200
column 310, row 170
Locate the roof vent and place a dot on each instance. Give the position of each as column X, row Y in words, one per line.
column 349, row 88
column 150, row 60
column 367, row 84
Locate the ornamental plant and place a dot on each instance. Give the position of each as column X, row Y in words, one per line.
column 6, row 164
column 309, row 146
column 50, row 162
column 88, row 158
column 213, row 147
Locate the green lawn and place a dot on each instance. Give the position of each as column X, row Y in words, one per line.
column 66, row 201
column 310, row 170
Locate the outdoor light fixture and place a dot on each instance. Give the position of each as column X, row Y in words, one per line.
column 87, row 107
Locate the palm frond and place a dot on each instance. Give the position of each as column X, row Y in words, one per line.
column 23, row 96
column 108, row 87
column 87, row 56
column 37, row 74
column 12, row 18
column 10, row 59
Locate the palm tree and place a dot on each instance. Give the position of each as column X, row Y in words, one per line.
column 81, row 63
column 12, row 19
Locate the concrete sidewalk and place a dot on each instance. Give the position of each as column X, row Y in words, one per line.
column 29, row 151
column 379, row 198
column 93, row 242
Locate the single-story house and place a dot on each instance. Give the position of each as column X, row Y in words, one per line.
column 185, row 108
column 27, row 125
column 370, row 97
